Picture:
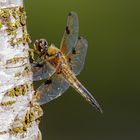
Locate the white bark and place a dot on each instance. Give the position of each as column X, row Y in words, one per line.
column 19, row 113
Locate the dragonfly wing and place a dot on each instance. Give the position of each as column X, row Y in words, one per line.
column 41, row 71
column 52, row 88
column 70, row 36
column 76, row 57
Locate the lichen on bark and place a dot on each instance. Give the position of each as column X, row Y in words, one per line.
column 19, row 111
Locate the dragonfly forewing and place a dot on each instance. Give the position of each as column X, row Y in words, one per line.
column 70, row 37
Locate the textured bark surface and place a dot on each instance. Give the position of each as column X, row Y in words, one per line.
column 19, row 111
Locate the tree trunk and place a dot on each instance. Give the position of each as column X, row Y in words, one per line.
column 19, row 110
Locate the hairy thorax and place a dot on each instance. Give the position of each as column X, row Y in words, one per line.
column 56, row 58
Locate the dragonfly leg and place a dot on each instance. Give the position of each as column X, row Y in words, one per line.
column 50, row 57
column 31, row 55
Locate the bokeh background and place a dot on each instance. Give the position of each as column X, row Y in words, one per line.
column 111, row 73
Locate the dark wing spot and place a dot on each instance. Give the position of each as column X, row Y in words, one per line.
column 67, row 30
column 39, row 65
column 69, row 60
column 73, row 51
column 79, row 37
column 69, row 14
column 47, row 82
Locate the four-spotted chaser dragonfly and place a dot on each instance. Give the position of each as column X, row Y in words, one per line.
column 60, row 66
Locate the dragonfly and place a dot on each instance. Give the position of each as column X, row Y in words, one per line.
column 60, row 66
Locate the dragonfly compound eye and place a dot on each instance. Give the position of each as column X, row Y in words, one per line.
column 41, row 45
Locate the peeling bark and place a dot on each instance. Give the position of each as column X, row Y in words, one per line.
column 19, row 111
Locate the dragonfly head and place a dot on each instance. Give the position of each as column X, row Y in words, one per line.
column 40, row 46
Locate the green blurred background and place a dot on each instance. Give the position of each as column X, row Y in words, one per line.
column 111, row 73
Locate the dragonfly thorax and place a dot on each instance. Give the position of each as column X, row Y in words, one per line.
column 53, row 51
column 56, row 58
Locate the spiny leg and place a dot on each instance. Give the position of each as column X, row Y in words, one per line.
column 40, row 68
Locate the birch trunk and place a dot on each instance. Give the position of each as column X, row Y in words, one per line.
column 19, row 111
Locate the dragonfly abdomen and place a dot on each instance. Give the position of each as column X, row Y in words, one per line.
column 74, row 82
